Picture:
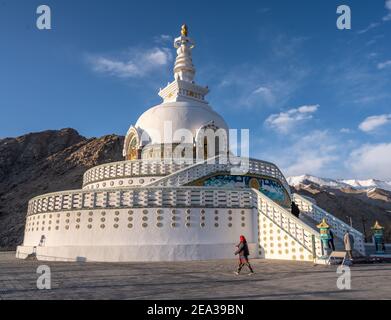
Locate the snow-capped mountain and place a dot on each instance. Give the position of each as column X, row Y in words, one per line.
column 368, row 184
column 364, row 201
column 323, row 182
column 339, row 184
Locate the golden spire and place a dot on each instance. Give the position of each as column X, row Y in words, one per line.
column 184, row 30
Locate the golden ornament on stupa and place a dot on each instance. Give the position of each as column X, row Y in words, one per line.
column 377, row 226
column 184, row 30
column 323, row 225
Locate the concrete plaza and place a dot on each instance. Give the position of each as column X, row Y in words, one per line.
column 190, row 280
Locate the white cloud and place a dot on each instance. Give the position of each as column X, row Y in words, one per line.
column 285, row 121
column 265, row 94
column 371, row 160
column 370, row 27
column 138, row 63
column 384, row 65
column 267, row 91
column 377, row 24
column 357, row 83
column 163, row 38
column 388, row 7
column 314, row 153
column 286, row 46
column 345, row 130
column 272, row 93
column 308, row 109
column 374, row 122
column 311, row 164
column 263, row 83
column 115, row 68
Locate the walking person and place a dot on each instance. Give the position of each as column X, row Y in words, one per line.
column 331, row 240
column 243, row 253
column 295, row 209
column 349, row 244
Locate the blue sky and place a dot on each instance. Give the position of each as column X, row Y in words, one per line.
column 316, row 99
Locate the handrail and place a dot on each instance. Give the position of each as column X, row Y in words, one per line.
column 326, row 214
column 228, row 166
column 284, row 181
column 314, row 245
column 336, row 225
column 177, row 173
column 291, row 216
column 93, row 171
column 149, row 161
column 165, row 169
column 132, row 188
column 140, row 198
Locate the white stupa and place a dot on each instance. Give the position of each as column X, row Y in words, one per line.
column 184, row 108
column 177, row 196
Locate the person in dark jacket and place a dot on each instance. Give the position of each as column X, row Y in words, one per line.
column 243, row 253
column 331, row 240
column 295, row 209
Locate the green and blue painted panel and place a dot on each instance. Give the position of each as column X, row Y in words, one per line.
column 269, row 187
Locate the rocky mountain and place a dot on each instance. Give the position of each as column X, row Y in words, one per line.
column 363, row 201
column 44, row 162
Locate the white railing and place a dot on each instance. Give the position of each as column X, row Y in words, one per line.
column 217, row 164
column 188, row 174
column 141, row 198
column 268, row 169
column 306, row 236
column 336, row 225
column 130, row 169
column 176, row 172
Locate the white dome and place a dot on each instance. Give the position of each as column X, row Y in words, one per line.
column 190, row 115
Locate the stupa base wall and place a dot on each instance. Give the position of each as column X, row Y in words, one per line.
column 137, row 253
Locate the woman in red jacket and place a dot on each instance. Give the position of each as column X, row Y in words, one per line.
column 243, row 253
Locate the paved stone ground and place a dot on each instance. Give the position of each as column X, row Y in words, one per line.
column 190, row 280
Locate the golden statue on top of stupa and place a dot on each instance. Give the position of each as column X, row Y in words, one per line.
column 184, row 30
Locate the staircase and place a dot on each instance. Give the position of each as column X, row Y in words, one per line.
column 282, row 235
column 338, row 243
column 310, row 211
